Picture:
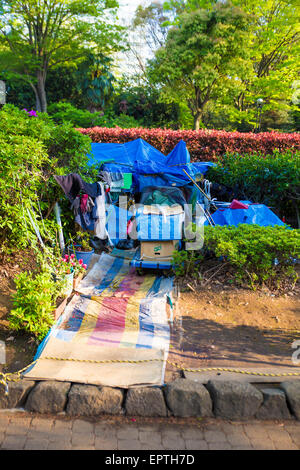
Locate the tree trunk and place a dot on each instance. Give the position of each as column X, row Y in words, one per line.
column 197, row 120
column 40, row 92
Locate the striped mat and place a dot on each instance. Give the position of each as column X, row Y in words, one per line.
column 116, row 316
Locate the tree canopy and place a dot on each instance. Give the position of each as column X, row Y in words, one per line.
column 205, row 48
column 190, row 63
column 38, row 35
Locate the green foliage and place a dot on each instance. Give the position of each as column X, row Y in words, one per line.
column 65, row 112
column 142, row 102
column 269, row 179
column 122, row 120
column 68, row 147
column 260, row 255
column 83, row 239
column 269, row 72
column 18, row 92
column 21, row 177
column 33, row 304
column 206, row 46
column 38, row 36
column 15, row 121
column 96, row 80
column 61, row 142
column 32, row 149
column 186, row 263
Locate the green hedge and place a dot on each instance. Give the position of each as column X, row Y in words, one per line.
column 268, row 179
column 259, row 255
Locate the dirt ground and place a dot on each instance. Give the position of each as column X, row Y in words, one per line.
column 218, row 325
column 230, row 327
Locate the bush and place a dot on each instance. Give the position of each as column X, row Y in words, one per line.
column 272, row 179
column 69, row 150
column 66, row 112
column 32, row 149
column 61, row 112
column 21, row 177
column 110, row 120
column 260, row 255
column 187, row 262
column 203, row 145
column 257, row 255
column 33, row 304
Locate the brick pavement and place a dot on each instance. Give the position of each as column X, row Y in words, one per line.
column 22, row 431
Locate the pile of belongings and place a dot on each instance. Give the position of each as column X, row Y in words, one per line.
column 162, row 187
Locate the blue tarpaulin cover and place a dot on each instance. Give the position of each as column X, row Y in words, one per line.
column 158, row 227
column 149, row 166
column 258, row 214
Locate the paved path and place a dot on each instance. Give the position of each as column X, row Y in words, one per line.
column 34, row 432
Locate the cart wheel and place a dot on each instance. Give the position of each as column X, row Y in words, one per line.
column 139, row 271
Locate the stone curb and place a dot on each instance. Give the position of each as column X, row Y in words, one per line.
column 231, row 400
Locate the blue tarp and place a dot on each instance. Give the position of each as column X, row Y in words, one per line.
column 258, row 214
column 158, row 227
column 149, row 166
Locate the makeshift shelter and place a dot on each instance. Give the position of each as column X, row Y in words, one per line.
column 165, row 192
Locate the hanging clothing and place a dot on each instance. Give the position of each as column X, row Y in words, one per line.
column 73, row 185
column 100, row 216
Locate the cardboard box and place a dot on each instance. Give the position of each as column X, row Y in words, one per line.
column 158, row 249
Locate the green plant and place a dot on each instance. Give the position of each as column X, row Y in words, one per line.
column 33, row 302
column 83, row 239
column 269, row 179
column 21, row 178
column 32, row 149
column 66, row 112
column 259, row 255
column 63, row 112
column 186, row 263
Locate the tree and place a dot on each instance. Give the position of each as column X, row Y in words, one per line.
column 147, row 32
column 37, row 35
column 153, row 20
column 274, row 55
column 206, row 47
column 95, row 79
column 141, row 101
column 273, row 42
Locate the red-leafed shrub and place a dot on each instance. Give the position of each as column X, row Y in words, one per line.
column 203, row 145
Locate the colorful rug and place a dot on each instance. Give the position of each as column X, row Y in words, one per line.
column 116, row 316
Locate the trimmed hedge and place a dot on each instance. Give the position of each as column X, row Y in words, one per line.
column 204, row 145
column 268, row 179
column 258, row 256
